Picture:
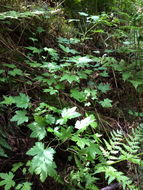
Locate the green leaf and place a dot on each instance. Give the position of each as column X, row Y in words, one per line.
column 4, row 143
column 64, row 134
column 50, row 119
column 51, row 90
column 33, row 39
column 51, row 66
column 68, row 41
column 70, row 78
column 40, row 29
column 83, row 14
column 106, row 103
column 78, row 95
column 34, row 49
column 16, row 166
column 68, row 50
column 81, row 142
column 8, row 100
column 126, row 75
column 2, row 152
column 52, row 52
column 84, row 123
column 104, row 87
column 82, row 74
column 95, row 18
column 12, row 66
column 38, row 128
column 2, row 71
column 68, row 113
column 80, row 61
column 24, row 186
column 93, row 149
column 42, row 163
column 33, row 63
column 93, row 93
column 7, row 180
column 20, row 117
column 104, row 74
column 15, row 72
column 22, row 101
column 136, row 83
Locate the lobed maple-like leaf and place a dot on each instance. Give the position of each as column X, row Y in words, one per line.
column 38, row 128
column 20, row 117
column 24, row 186
column 106, row 103
column 7, row 180
column 22, row 101
column 42, row 162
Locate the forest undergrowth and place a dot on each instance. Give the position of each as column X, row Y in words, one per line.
column 71, row 84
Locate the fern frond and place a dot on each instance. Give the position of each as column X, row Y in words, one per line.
column 112, row 174
column 121, row 148
column 113, row 147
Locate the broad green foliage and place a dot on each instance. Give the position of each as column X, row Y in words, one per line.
column 77, row 95
column 16, row 166
column 20, row 117
column 19, row 15
column 104, row 87
column 73, row 69
column 68, row 114
column 21, row 101
column 7, row 180
column 69, row 124
column 109, row 156
column 15, row 72
column 70, row 78
column 24, row 186
column 38, row 128
column 83, row 123
column 59, row 94
column 42, row 162
column 106, row 103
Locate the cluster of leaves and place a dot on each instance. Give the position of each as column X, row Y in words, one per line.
column 87, row 150
column 73, row 83
column 21, row 101
column 18, row 15
column 67, row 124
column 67, row 73
column 127, row 35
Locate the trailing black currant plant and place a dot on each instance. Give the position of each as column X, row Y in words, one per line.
column 64, row 117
